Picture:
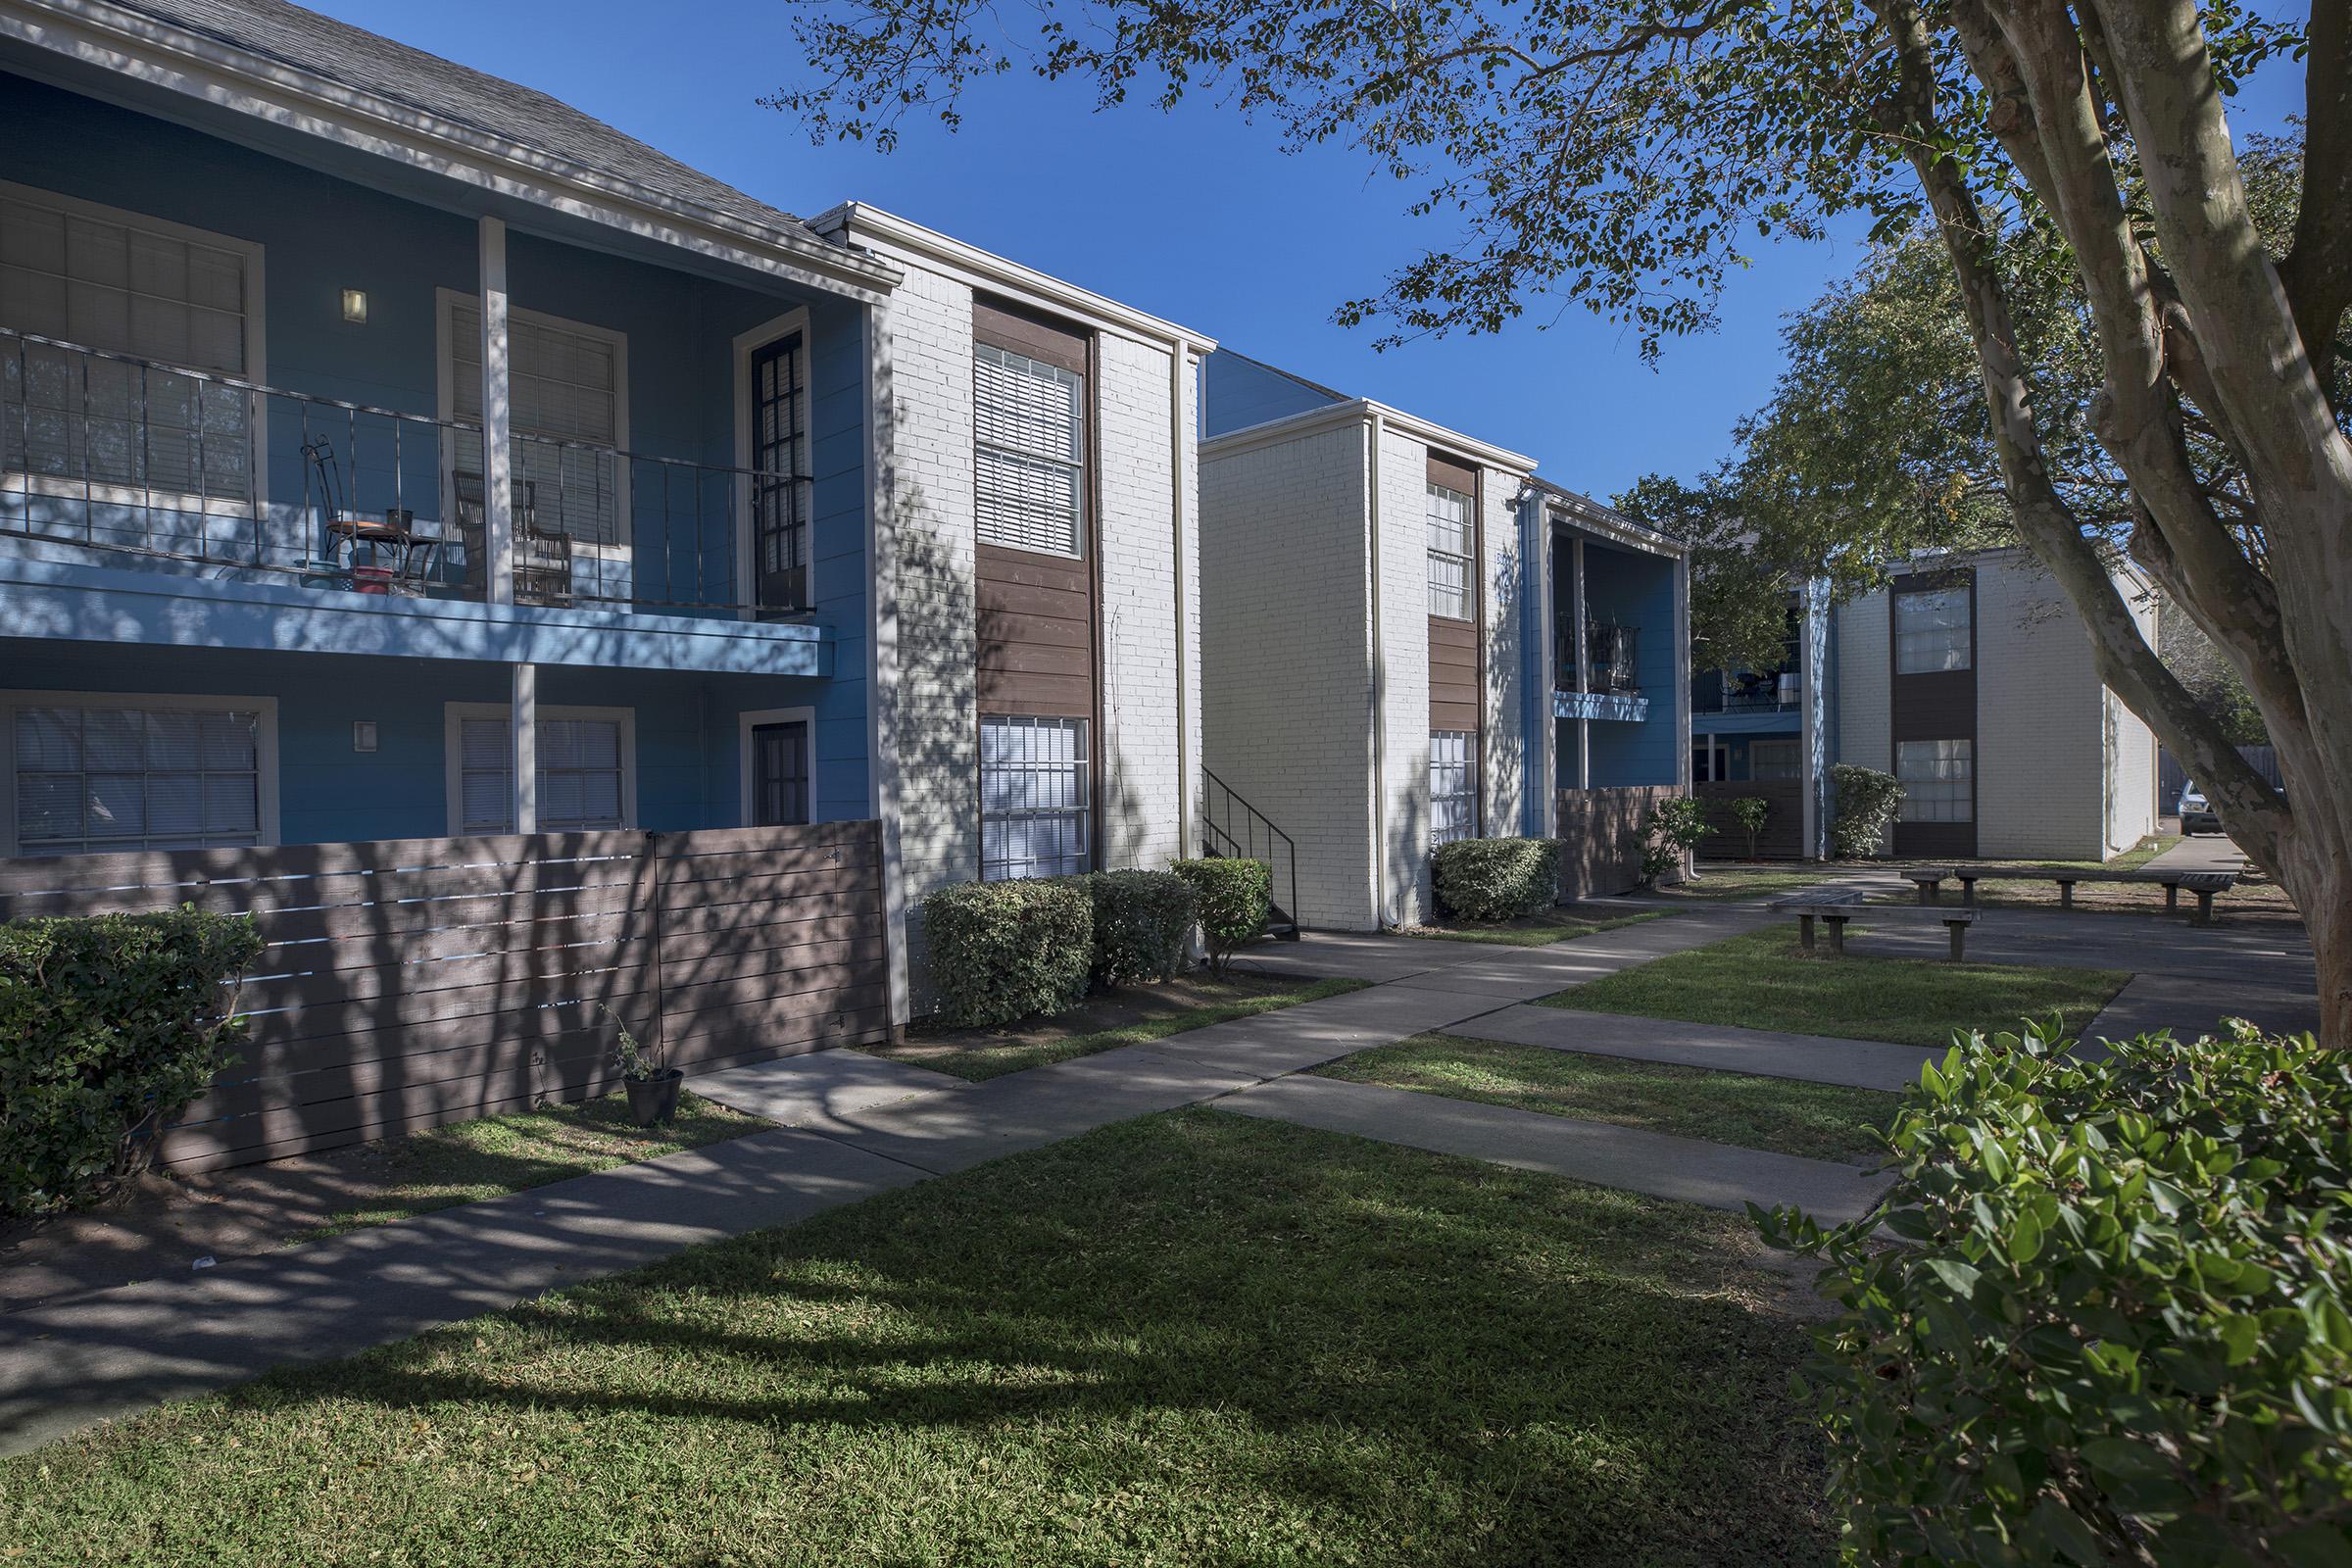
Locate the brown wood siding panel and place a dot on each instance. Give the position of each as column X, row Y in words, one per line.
column 1008, row 326
column 1452, row 473
column 1600, row 837
column 1784, row 835
column 374, row 1017
column 1453, row 675
column 1036, row 634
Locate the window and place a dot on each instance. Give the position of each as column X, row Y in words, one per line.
column 114, row 280
column 159, row 774
column 568, row 382
column 779, row 499
column 1453, row 787
column 1450, row 537
column 1036, row 813
column 1938, row 779
column 1710, row 762
column 586, row 770
column 1773, row 759
column 1028, row 433
column 1931, row 630
column 780, row 773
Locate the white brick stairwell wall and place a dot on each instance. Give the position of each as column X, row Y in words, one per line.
column 1503, row 779
column 1405, row 713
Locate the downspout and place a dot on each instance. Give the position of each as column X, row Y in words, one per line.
column 1375, row 435
column 1180, row 353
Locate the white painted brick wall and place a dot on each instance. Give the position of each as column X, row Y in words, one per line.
column 1504, row 775
column 1403, row 565
column 1864, row 732
column 1284, row 655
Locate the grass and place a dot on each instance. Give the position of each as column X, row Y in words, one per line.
column 1820, row 1121
column 1534, row 930
column 1195, row 1337
column 1763, row 980
column 467, row 1161
column 1750, row 882
column 1144, row 1013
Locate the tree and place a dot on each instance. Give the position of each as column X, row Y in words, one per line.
column 1624, row 153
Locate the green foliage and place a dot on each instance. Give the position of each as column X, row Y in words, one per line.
column 1677, row 825
column 2121, row 1331
column 637, row 1065
column 1496, row 879
column 1866, row 801
column 1750, row 811
column 1002, row 950
column 1142, row 925
column 1237, row 897
column 109, row 1026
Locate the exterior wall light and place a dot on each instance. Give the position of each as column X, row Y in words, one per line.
column 354, row 306
column 363, row 734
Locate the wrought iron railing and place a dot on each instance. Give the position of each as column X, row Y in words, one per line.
column 1745, row 694
column 111, row 459
column 1612, row 658
column 1230, row 826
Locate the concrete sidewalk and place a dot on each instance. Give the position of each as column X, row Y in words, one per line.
column 1764, row 1052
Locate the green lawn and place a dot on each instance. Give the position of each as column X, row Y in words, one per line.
column 1821, row 1121
column 1751, row 882
column 1191, row 1004
column 467, row 1161
column 1764, row 981
column 1534, row 930
column 1191, row 1339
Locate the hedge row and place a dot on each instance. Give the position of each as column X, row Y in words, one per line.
column 1496, row 879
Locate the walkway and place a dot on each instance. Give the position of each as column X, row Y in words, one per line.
column 2207, row 852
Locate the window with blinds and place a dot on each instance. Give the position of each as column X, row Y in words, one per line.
column 566, row 385
column 1938, row 779
column 1036, row 807
column 108, row 280
column 1450, row 546
column 104, row 777
column 1931, row 630
column 582, row 775
column 1028, row 433
column 1453, row 787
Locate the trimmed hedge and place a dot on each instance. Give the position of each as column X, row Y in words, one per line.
column 1237, row 899
column 1496, row 879
column 109, row 1026
column 1002, row 950
column 2122, row 1331
column 1142, row 925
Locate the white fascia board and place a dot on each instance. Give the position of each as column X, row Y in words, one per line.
column 1310, row 422
column 156, row 53
column 1595, row 518
column 855, row 223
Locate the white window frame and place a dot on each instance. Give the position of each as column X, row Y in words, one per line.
column 1081, row 467
column 1468, row 557
column 748, row 344
column 453, row 758
column 1471, row 777
column 750, row 719
column 445, row 307
column 264, row 749
column 1087, row 814
column 1964, row 593
column 257, row 364
column 1968, row 796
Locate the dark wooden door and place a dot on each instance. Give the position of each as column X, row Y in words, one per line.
column 780, row 774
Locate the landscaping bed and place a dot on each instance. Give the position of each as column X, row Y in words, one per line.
column 1531, row 930
column 1104, row 1020
column 1763, row 980
column 1820, row 1121
column 1194, row 1338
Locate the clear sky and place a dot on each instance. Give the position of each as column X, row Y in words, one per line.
column 1196, row 217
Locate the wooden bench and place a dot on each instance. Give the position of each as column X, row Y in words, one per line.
column 1929, row 880
column 1835, row 910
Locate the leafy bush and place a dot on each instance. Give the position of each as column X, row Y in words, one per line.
column 109, row 1026
column 1750, row 811
column 1002, row 950
column 2122, row 1331
column 1677, row 825
column 1142, row 925
column 1496, row 879
column 1237, row 897
column 1866, row 801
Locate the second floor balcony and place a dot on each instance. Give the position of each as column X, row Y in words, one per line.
column 1611, row 661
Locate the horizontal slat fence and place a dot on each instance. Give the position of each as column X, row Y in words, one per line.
column 414, row 982
column 1600, row 833
column 1784, row 834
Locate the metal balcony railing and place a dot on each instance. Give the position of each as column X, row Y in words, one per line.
column 1746, row 694
column 1612, row 660
column 109, row 459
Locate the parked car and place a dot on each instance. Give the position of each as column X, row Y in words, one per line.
column 2196, row 816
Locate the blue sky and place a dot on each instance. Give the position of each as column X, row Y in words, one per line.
column 1196, row 216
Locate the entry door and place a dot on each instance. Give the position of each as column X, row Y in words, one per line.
column 779, row 491
column 780, row 774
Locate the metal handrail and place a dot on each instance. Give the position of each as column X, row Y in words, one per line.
column 1253, row 826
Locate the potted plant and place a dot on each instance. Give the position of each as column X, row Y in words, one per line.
column 651, row 1083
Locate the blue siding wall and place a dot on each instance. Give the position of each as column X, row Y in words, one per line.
column 1636, row 589
column 1238, row 393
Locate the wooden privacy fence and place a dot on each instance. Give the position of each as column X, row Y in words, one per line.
column 1600, row 837
column 415, row 982
column 1784, row 834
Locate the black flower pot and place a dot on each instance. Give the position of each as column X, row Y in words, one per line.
column 654, row 1101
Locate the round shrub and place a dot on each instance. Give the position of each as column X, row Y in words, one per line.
column 1866, row 802
column 109, row 1026
column 2121, row 1331
column 1003, row 950
column 1496, row 879
column 1142, row 925
column 1237, row 897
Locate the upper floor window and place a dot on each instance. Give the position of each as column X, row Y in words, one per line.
column 1451, row 542
column 127, row 284
column 568, row 412
column 1932, row 630
column 1028, row 452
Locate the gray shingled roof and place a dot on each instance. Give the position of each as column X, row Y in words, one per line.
column 372, row 64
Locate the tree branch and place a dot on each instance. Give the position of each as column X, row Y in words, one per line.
column 2318, row 270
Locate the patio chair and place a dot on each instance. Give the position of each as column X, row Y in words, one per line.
column 542, row 556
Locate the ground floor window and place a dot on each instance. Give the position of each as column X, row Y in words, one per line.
column 1453, row 787
column 1036, row 797
column 137, row 774
column 585, row 776
column 1938, row 779
column 1773, row 759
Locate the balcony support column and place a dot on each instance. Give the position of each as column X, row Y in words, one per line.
column 525, row 714
column 498, row 462
column 1584, row 660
